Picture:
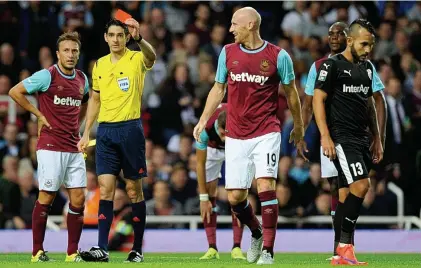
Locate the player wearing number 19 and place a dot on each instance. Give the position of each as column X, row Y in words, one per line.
column 120, row 143
column 253, row 69
column 63, row 92
column 343, row 98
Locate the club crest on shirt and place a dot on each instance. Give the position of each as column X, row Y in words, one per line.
column 48, row 183
column 123, row 83
column 369, row 72
column 81, row 90
column 264, row 65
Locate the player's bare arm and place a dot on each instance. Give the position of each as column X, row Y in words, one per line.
column 215, row 97
column 307, row 111
column 320, row 115
column 297, row 134
column 147, row 49
column 94, row 104
column 376, row 146
column 205, row 204
column 17, row 93
column 83, row 110
column 381, row 109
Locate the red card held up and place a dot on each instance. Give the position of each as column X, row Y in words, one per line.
column 122, row 16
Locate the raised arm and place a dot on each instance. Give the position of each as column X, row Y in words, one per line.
column 147, row 49
column 148, row 53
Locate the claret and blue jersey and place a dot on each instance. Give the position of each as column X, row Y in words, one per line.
column 253, row 78
column 60, row 97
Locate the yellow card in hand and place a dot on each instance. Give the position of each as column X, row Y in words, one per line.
column 92, row 143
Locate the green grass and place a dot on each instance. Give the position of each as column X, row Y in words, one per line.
column 190, row 260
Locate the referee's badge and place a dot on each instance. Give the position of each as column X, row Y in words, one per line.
column 369, row 72
column 123, row 83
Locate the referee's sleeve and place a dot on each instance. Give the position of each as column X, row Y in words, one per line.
column 95, row 82
column 325, row 76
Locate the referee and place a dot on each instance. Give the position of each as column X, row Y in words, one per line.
column 344, row 109
column 117, row 80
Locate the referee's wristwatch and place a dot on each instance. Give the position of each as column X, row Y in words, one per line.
column 138, row 39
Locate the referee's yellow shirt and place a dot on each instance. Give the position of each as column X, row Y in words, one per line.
column 120, row 86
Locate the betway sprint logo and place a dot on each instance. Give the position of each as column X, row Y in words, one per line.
column 355, row 89
column 69, row 101
column 246, row 77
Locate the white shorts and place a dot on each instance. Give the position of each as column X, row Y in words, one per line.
column 214, row 160
column 60, row 168
column 327, row 166
column 253, row 158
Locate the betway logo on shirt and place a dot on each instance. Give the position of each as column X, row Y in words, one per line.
column 68, row 101
column 246, row 77
column 355, row 89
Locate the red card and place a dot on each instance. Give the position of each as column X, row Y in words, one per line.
column 122, row 16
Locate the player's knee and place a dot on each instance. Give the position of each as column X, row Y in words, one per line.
column 135, row 196
column 360, row 187
column 77, row 198
column 46, row 198
column 212, row 188
column 107, row 188
column 265, row 184
column 106, row 193
column 343, row 193
column 134, row 191
column 236, row 196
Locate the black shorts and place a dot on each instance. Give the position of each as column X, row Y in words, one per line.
column 121, row 146
column 352, row 162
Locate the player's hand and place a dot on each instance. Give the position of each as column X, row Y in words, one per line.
column 42, row 121
column 83, row 144
column 198, row 129
column 376, row 150
column 296, row 135
column 134, row 28
column 328, row 147
column 205, row 210
column 302, row 149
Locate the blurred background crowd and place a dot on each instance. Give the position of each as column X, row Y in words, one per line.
column 188, row 37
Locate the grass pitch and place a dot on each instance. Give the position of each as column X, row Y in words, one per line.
column 190, row 260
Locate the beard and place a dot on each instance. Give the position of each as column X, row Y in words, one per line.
column 356, row 57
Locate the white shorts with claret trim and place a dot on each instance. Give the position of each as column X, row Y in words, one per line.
column 328, row 167
column 214, row 160
column 252, row 158
column 60, row 168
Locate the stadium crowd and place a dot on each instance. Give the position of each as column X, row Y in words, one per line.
column 188, row 37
